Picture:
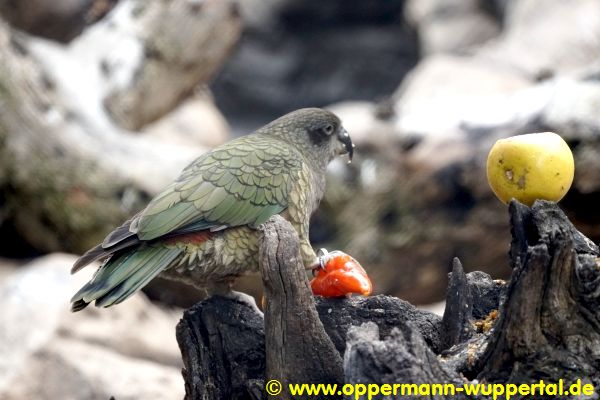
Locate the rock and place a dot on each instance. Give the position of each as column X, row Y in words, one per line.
column 56, row 20
column 572, row 109
column 128, row 335
column 544, row 38
column 139, row 62
column 8, row 267
column 196, row 121
column 260, row 14
column 49, row 352
column 588, row 168
column 160, row 54
column 66, row 369
column 173, row 293
column 280, row 65
column 450, row 26
column 365, row 122
column 40, row 292
column 452, row 88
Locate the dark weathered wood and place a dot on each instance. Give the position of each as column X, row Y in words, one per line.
column 484, row 298
column 387, row 312
column 402, row 357
column 222, row 344
column 458, row 315
column 486, row 293
column 549, row 325
column 549, row 316
column 207, row 358
column 297, row 346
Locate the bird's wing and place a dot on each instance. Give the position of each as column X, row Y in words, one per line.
column 245, row 181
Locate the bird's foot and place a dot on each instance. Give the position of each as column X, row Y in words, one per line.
column 323, row 257
column 244, row 298
column 223, row 289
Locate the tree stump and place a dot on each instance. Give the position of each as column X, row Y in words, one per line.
column 549, row 325
column 223, row 347
column 298, row 349
column 544, row 324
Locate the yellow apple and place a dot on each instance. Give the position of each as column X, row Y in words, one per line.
column 530, row 167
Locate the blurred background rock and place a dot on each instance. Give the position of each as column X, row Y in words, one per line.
column 103, row 102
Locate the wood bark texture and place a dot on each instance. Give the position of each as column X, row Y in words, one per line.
column 223, row 346
column 297, row 347
column 549, row 325
column 541, row 325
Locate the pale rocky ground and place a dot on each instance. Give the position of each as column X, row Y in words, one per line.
column 196, row 121
column 128, row 352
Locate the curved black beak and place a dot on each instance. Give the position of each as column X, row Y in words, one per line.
column 344, row 137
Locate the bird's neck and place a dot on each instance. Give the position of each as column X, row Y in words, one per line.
column 317, row 161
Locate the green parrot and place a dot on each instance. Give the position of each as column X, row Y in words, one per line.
column 202, row 229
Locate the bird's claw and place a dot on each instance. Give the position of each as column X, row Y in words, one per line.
column 323, row 257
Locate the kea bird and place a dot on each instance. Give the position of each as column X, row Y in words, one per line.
column 202, row 229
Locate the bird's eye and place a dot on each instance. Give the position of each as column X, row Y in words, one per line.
column 328, row 129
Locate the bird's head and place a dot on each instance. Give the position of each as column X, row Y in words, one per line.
column 317, row 133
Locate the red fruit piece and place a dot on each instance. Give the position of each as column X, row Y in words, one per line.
column 341, row 276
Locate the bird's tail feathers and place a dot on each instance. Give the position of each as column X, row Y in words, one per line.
column 98, row 253
column 123, row 275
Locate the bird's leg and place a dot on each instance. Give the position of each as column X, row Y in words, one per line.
column 223, row 288
column 313, row 266
column 312, row 261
